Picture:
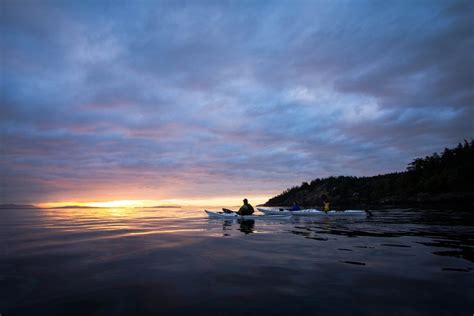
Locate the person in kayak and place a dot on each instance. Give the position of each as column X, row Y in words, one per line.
column 326, row 203
column 295, row 207
column 246, row 209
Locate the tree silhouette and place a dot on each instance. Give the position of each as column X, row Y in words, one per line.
column 447, row 177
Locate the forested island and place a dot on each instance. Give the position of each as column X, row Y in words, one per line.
column 440, row 180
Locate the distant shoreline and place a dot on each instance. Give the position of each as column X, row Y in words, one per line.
column 159, row 206
column 18, row 206
column 34, row 207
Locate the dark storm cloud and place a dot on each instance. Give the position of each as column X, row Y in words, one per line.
column 174, row 99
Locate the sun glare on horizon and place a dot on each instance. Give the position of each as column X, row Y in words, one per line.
column 213, row 201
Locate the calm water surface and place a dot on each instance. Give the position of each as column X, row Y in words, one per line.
column 177, row 261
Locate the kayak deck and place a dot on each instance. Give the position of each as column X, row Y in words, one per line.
column 311, row 212
column 237, row 216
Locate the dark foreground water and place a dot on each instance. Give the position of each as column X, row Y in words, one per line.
column 176, row 261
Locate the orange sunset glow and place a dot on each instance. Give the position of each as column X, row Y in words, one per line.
column 213, row 201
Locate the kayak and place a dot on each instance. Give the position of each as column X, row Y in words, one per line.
column 310, row 212
column 237, row 216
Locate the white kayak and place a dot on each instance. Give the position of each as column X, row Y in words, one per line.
column 309, row 212
column 237, row 216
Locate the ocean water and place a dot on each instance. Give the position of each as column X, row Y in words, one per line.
column 178, row 262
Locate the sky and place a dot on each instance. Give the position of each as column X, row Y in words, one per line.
column 194, row 101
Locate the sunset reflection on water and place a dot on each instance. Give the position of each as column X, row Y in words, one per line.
column 136, row 220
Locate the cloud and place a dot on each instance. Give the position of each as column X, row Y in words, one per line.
column 192, row 99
